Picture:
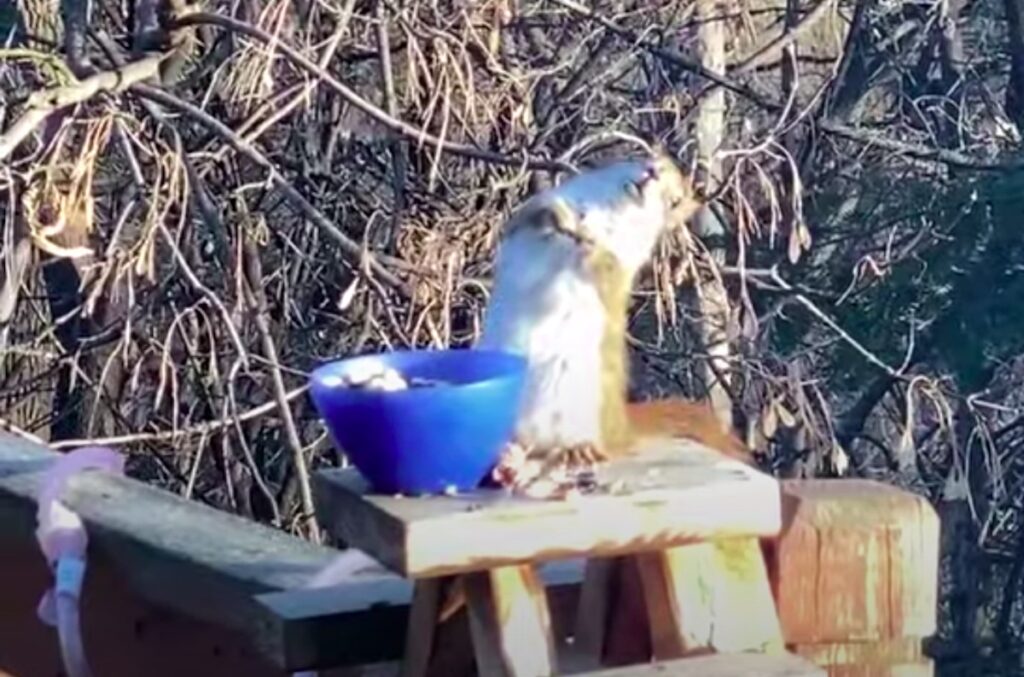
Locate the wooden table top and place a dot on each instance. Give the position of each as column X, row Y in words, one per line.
column 670, row 493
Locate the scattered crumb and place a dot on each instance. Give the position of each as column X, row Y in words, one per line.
column 525, row 476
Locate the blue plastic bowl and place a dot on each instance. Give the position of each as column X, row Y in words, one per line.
column 424, row 440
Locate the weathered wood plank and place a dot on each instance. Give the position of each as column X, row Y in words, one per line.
column 510, row 623
column 201, row 562
column 721, row 665
column 673, row 493
column 857, row 561
column 419, row 637
column 628, row 629
column 884, row 658
column 122, row 633
column 597, row 602
column 223, row 569
column 226, row 570
column 856, row 576
column 709, row 596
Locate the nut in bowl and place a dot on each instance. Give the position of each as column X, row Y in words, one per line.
column 421, row 421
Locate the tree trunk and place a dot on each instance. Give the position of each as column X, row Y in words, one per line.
column 712, row 300
column 1015, row 89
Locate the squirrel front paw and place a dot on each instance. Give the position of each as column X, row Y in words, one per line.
column 582, row 456
column 548, row 471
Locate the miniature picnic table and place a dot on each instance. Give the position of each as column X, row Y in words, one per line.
column 688, row 519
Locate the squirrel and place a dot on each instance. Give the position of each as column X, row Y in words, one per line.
column 563, row 278
column 564, row 273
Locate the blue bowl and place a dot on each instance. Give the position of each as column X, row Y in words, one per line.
column 423, row 440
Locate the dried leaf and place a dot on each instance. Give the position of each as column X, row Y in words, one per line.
column 906, row 452
column 769, row 422
column 839, row 460
column 348, row 295
column 794, row 246
column 785, row 416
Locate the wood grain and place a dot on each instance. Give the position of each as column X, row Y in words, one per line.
column 709, row 597
column 896, row 658
column 857, row 561
column 673, row 492
column 856, row 576
column 510, row 623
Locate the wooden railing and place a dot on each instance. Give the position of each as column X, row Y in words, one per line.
column 177, row 587
column 174, row 587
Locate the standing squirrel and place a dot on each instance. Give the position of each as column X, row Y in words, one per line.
column 563, row 279
column 564, row 275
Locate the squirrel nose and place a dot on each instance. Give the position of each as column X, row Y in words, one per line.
column 650, row 173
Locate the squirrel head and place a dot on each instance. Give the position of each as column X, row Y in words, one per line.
column 621, row 208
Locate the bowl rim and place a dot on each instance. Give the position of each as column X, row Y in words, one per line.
column 316, row 376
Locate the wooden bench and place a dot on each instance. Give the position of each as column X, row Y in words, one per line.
column 690, row 520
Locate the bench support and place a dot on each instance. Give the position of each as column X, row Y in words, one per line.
column 712, row 596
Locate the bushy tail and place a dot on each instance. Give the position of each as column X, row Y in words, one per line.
column 687, row 419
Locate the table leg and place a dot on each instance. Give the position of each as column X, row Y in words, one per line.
column 593, row 611
column 712, row 596
column 436, row 646
column 510, row 623
column 611, row 621
column 419, row 638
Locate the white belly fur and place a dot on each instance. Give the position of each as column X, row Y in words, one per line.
column 545, row 307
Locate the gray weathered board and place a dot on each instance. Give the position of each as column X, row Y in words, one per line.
column 221, row 568
column 174, row 552
column 672, row 492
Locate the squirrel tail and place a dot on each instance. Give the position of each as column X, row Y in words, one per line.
column 688, row 419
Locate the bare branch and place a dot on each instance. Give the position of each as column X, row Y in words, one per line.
column 312, row 213
column 671, row 57
column 945, row 156
column 42, row 104
column 771, row 51
column 174, row 435
column 403, row 128
column 258, row 306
